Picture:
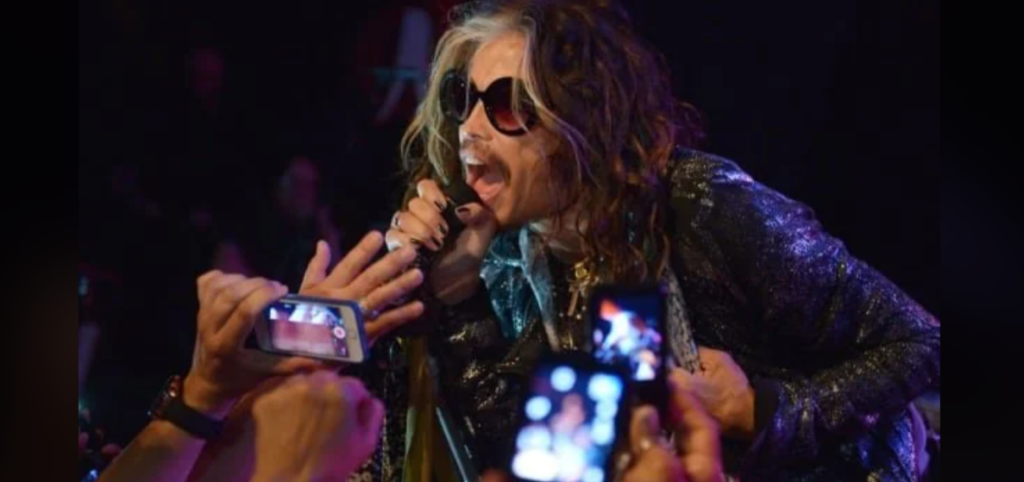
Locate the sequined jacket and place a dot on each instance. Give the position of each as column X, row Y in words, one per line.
column 835, row 352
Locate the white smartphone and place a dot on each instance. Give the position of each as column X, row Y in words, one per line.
column 313, row 327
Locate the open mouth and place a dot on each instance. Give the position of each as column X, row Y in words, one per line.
column 486, row 178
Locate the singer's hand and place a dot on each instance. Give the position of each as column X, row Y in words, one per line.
column 456, row 276
column 376, row 286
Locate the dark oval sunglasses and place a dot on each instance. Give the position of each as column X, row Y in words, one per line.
column 458, row 97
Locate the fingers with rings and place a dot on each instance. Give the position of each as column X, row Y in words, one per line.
column 393, row 318
column 429, row 215
column 366, row 311
column 397, row 239
column 413, row 224
column 386, row 295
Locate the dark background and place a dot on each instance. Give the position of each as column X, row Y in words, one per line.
column 832, row 103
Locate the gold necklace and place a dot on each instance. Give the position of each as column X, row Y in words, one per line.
column 580, row 280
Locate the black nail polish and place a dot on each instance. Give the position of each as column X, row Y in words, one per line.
column 444, row 230
column 415, row 241
column 439, row 204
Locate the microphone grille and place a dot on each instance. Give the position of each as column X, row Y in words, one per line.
column 460, row 192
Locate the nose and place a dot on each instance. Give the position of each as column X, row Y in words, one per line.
column 476, row 126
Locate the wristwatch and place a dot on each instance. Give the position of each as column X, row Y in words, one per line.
column 170, row 406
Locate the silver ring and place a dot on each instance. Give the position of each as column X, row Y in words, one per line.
column 365, row 310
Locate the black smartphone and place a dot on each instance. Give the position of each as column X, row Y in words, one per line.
column 574, row 413
column 313, row 327
column 628, row 331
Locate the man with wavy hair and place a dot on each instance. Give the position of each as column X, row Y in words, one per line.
column 562, row 120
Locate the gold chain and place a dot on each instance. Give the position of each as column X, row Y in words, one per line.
column 580, row 280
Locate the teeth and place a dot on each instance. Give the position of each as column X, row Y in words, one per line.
column 472, row 161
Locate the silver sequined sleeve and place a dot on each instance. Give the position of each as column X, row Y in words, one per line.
column 848, row 347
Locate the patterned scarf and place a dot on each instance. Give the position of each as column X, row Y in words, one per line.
column 519, row 280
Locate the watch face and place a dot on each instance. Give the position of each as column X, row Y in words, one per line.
column 171, row 390
column 159, row 406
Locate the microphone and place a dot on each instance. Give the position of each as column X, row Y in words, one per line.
column 457, row 193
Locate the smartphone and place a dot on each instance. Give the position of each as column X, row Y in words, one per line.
column 572, row 416
column 628, row 331
column 313, row 327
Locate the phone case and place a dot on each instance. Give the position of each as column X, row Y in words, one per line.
column 263, row 329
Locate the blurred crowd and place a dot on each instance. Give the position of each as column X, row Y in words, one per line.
column 184, row 166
